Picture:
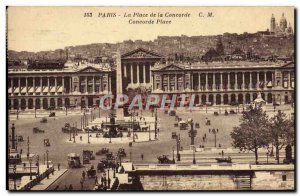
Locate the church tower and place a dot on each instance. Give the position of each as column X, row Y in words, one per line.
column 273, row 24
column 283, row 23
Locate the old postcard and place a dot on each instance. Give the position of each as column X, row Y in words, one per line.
column 150, row 98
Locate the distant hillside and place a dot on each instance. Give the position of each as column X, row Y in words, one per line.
column 170, row 46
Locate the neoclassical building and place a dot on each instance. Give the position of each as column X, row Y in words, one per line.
column 82, row 84
column 226, row 82
column 73, row 84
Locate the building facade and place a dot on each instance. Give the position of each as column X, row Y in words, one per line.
column 76, row 84
column 82, row 84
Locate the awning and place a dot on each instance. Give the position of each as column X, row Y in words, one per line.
column 45, row 90
column 59, row 89
column 52, row 89
column 10, row 90
column 16, row 90
column 23, row 90
column 30, row 90
column 38, row 89
column 269, row 84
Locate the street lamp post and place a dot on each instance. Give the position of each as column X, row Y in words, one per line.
column 88, row 135
column 70, row 131
column 15, row 170
column 38, row 164
column 30, row 161
column 74, row 135
column 28, row 147
column 214, row 131
column 155, row 123
column 47, row 152
column 173, row 148
column 149, row 133
column 44, row 159
column 177, row 137
column 194, row 159
column 99, row 111
column 267, row 157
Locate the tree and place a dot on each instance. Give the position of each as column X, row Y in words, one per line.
column 252, row 133
column 281, row 132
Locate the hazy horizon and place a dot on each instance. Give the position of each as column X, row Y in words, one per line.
column 37, row 29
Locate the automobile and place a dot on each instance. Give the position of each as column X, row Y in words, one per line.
column 100, row 167
column 197, row 125
column 103, row 151
column 216, row 114
column 174, row 135
column 85, row 160
column 74, row 160
column 91, row 173
column 224, row 159
column 121, row 152
column 37, row 130
column 88, row 154
column 52, row 114
column 183, row 125
column 44, row 120
column 276, row 104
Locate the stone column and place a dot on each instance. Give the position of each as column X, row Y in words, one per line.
column 161, row 82
column 109, row 83
column 222, row 99
column 138, row 73
column 48, row 84
column 243, row 85
column 250, row 75
column 221, row 83
column 169, row 83
column 265, row 84
column 228, row 80
column 199, row 81
column 93, row 84
column 131, row 74
column 26, row 81
column 41, row 84
column 214, row 82
column 26, row 102
column 144, row 74
column 235, row 80
column 257, row 83
column 33, row 85
column 63, row 86
column 206, row 81
column 12, row 84
column 86, row 84
column 175, row 82
column 55, row 86
column 290, row 80
column 19, row 84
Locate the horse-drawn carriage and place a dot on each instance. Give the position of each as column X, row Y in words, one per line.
column 37, row 130
column 163, row 159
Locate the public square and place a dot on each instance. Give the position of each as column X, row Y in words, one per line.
column 61, row 146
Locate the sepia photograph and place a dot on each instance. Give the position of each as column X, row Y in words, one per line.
column 157, row 98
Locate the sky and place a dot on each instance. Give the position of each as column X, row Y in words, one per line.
column 48, row 28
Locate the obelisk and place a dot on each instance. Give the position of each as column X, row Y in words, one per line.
column 120, row 110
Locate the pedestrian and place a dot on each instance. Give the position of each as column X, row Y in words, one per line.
column 66, row 188
column 217, row 130
column 81, row 183
column 142, row 156
column 158, row 130
column 209, row 130
column 83, row 175
column 70, row 187
column 205, row 135
column 108, row 182
column 96, row 180
column 80, row 138
column 222, row 153
column 21, row 151
column 58, row 166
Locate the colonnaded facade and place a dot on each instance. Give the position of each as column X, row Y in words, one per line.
column 82, row 84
